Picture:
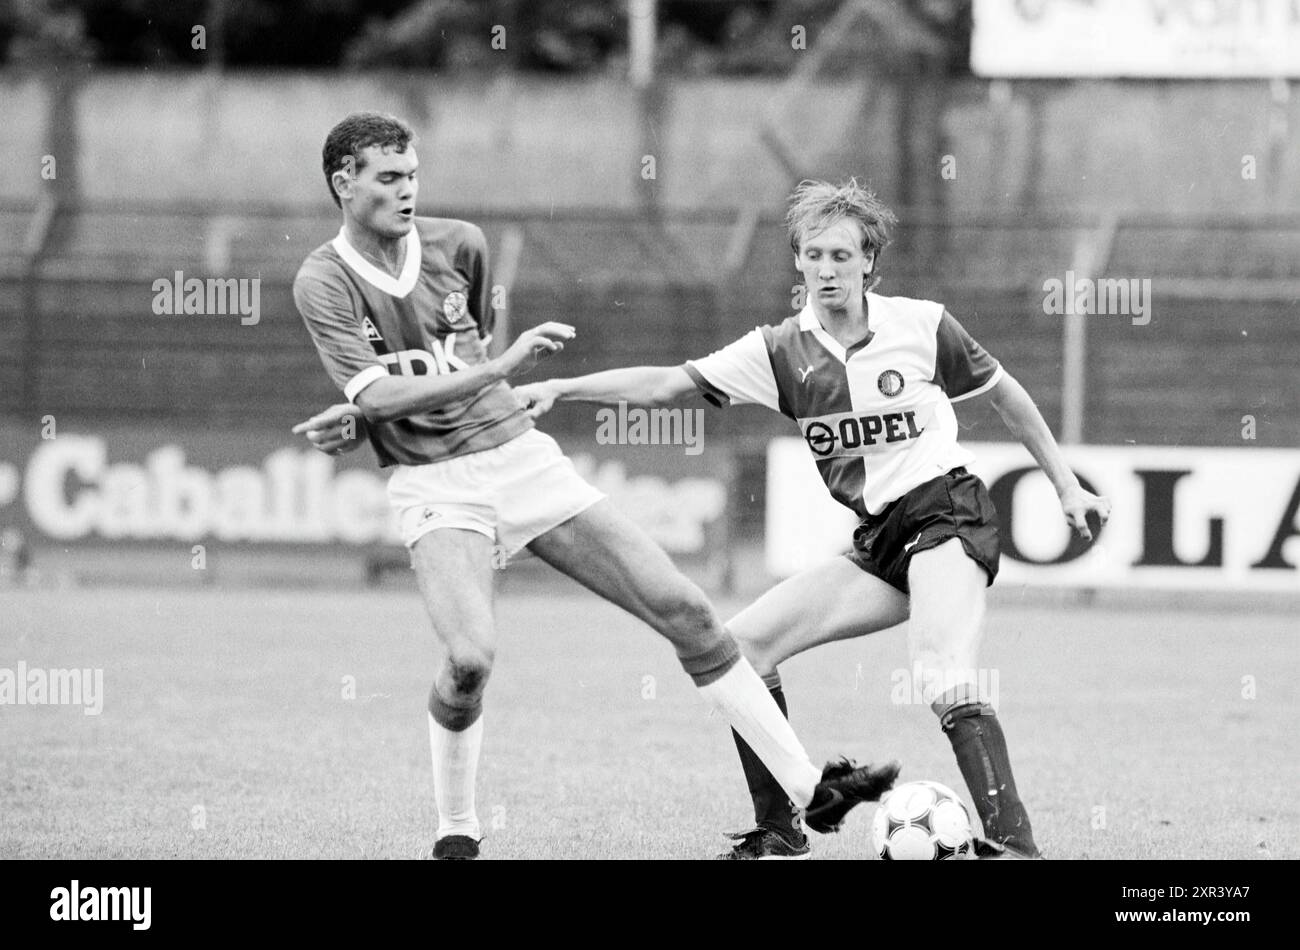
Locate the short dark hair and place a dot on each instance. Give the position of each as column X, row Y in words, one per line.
column 353, row 135
column 817, row 204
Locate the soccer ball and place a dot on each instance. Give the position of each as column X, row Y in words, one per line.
column 922, row 821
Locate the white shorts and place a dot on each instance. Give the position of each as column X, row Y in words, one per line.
column 513, row 493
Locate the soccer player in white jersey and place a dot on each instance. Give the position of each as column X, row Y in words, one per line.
column 870, row 381
column 398, row 307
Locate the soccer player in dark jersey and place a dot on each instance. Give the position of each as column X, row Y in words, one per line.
column 870, row 381
column 399, row 308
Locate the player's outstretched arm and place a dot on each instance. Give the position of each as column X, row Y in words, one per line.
column 1027, row 424
column 638, row 385
column 396, row 397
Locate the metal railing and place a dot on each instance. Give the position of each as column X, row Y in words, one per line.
column 1088, row 245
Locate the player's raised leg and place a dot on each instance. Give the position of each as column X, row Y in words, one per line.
column 454, row 571
column 603, row 550
column 948, row 597
column 832, row 601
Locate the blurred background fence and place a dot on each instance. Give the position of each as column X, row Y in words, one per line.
column 78, row 335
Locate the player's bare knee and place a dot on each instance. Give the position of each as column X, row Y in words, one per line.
column 468, row 670
column 469, row 680
column 688, row 617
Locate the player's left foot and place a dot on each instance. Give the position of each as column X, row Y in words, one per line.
column 767, row 844
column 986, row 850
column 843, row 786
column 455, row 848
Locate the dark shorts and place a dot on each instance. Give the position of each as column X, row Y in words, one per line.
column 955, row 505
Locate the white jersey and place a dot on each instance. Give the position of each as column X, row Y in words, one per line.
column 877, row 417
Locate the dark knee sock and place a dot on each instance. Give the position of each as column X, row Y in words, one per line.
column 772, row 807
column 454, row 718
column 981, row 749
column 711, row 661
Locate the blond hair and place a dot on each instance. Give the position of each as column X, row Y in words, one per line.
column 815, row 205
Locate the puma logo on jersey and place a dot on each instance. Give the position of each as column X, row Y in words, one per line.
column 804, row 374
column 372, row 332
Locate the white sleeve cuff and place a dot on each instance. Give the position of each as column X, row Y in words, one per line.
column 993, row 381
column 362, row 380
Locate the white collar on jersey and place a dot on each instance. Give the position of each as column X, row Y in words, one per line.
column 399, row 286
column 809, row 323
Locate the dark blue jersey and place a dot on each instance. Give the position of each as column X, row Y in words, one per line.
column 434, row 317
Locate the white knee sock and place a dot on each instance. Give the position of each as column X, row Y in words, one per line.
column 455, row 766
column 741, row 696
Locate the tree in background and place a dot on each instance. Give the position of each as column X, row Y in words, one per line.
column 36, row 32
column 545, row 35
column 697, row 37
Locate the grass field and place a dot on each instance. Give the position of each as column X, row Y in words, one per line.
column 1129, row 730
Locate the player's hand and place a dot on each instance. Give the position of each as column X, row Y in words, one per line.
column 1085, row 511
column 533, row 344
column 340, row 428
column 537, row 398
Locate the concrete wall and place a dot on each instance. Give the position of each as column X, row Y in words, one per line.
column 528, row 144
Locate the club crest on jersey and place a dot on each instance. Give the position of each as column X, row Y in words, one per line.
column 372, row 332
column 890, row 383
column 456, row 308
